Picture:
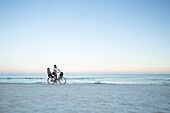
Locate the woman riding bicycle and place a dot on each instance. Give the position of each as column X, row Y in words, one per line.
column 49, row 73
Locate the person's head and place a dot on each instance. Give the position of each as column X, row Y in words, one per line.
column 48, row 69
column 55, row 66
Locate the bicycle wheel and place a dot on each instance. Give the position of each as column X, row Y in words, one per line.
column 50, row 81
column 62, row 80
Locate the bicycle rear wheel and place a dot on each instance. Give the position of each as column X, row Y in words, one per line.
column 50, row 81
column 62, row 80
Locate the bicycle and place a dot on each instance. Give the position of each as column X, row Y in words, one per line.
column 60, row 79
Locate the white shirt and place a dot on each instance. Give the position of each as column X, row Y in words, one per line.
column 55, row 70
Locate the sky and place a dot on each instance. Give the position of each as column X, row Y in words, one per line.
column 85, row 36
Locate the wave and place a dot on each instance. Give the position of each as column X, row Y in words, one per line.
column 46, row 78
column 159, row 79
column 95, row 83
column 79, row 78
column 21, row 78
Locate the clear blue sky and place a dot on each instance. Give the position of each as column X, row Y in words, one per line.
column 119, row 36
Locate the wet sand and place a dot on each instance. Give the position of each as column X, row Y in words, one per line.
column 83, row 98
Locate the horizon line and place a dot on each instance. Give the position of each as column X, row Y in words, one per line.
column 89, row 73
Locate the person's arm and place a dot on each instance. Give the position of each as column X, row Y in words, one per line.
column 54, row 70
column 59, row 70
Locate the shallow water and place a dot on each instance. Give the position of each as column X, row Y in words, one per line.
column 160, row 79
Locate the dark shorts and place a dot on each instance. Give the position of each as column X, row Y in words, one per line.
column 50, row 75
column 54, row 73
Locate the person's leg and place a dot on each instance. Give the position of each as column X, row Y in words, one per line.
column 50, row 76
column 55, row 75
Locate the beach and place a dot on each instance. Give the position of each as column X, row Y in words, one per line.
column 83, row 98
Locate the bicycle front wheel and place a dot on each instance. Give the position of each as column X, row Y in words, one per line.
column 50, row 81
column 62, row 80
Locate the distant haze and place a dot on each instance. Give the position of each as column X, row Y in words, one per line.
column 93, row 36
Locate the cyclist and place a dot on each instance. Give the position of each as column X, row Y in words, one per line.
column 55, row 71
column 49, row 73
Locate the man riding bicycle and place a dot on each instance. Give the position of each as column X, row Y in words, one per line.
column 52, row 76
column 55, row 71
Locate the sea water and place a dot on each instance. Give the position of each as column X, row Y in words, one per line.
column 160, row 79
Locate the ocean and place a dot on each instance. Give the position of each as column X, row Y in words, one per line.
column 159, row 79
